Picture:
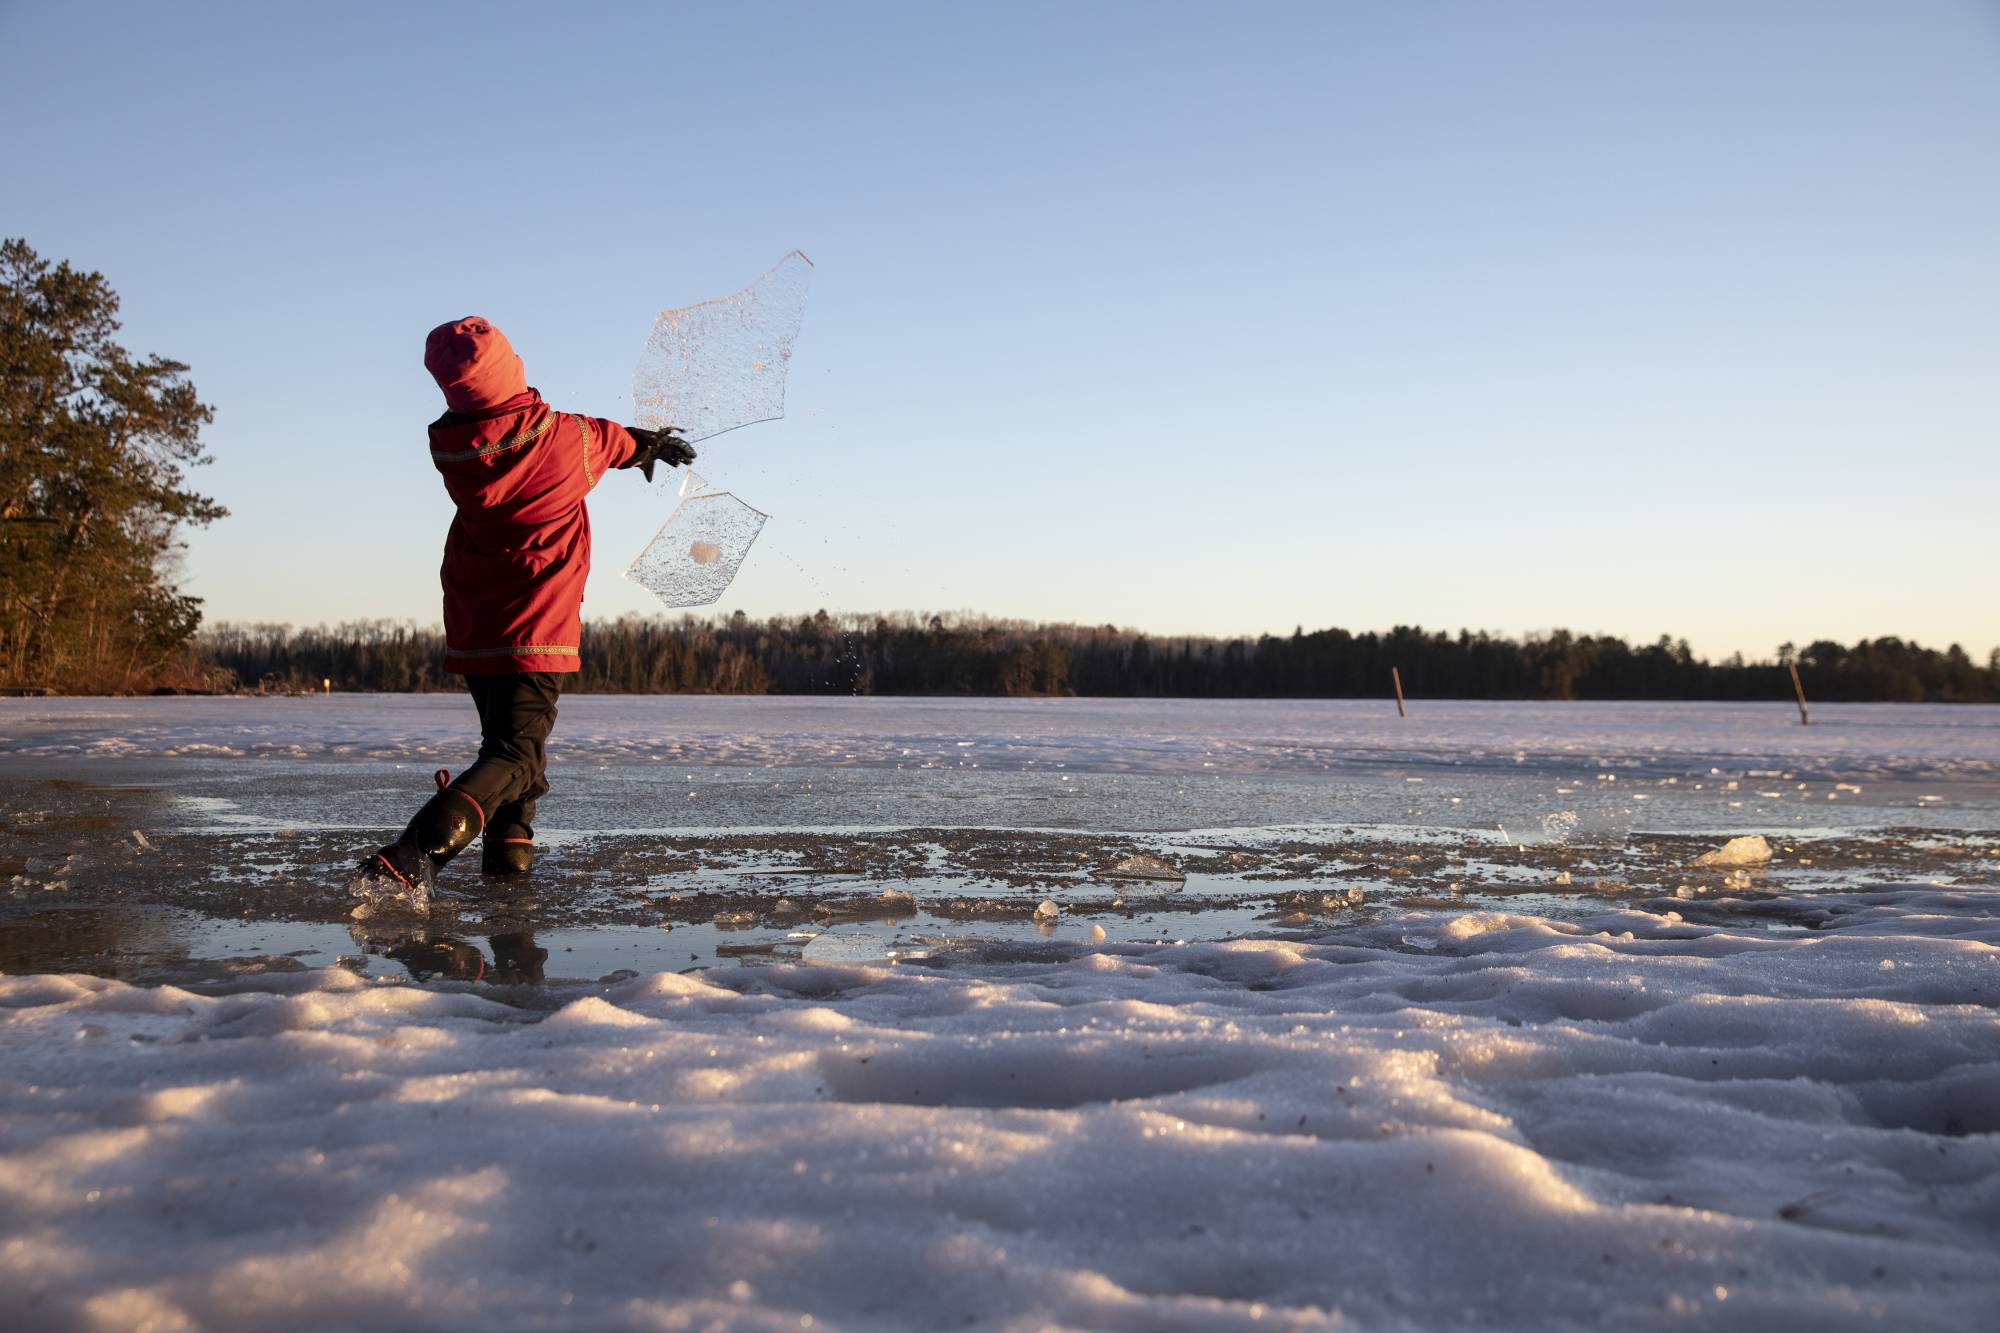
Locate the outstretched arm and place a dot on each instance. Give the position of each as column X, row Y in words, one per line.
column 606, row 445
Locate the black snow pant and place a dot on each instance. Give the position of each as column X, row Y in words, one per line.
column 516, row 713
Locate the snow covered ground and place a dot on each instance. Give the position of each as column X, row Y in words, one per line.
column 1438, row 1122
column 1772, row 1101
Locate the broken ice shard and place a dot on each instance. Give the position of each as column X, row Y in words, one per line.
column 1143, row 867
column 694, row 557
column 712, row 367
column 848, row 946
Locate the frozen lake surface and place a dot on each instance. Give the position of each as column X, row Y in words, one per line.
column 739, row 819
column 1852, row 742
column 862, row 1013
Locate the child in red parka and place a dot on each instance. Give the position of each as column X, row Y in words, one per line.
column 515, row 562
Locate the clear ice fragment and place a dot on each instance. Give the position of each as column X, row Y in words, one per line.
column 1143, row 867
column 848, row 946
column 695, row 555
column 713, row 367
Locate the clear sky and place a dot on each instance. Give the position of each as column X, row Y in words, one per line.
column 1635, row 318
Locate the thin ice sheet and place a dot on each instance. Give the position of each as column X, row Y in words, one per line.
column 694, row 557
column 713, row 367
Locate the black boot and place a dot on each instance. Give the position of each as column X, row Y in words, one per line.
column 509, row 845
column 441, row 830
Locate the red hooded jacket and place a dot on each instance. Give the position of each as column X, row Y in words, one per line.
column 518, row 552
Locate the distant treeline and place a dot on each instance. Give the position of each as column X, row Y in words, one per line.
column 966, row 655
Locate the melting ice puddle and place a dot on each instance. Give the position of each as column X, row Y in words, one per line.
column 153, row 944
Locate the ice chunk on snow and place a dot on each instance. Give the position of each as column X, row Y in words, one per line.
column 847, row 946
column 694, row 557
column 1143, row 867
column 1754, row 850
column 713, row 367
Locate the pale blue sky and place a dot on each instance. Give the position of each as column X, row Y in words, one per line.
column 1638, row 318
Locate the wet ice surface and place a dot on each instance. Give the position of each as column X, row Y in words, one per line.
column 1433, row 1025
column 747, row 824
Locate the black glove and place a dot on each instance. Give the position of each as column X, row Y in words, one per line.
column 658, row 446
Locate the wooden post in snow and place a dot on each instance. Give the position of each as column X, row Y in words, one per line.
column 1396, row 677
column 1798, row 688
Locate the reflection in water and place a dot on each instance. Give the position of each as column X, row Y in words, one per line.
column 516, row 959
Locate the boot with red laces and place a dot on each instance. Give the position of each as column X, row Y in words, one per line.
column 441, row 830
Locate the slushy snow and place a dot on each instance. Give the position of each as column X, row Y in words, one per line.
column 1429, row 1121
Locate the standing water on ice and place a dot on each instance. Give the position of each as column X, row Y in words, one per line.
column 695, row 555
column 713, row 367
column 687, row 829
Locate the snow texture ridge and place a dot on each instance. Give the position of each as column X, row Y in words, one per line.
column 1430, row 1121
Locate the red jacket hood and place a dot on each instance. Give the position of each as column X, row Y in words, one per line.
column 474, row 364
